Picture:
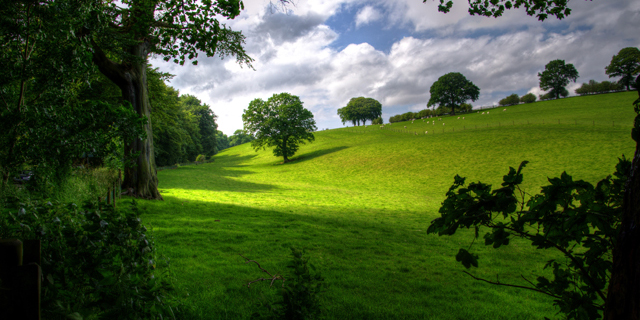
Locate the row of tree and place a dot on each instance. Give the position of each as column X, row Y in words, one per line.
column 595, row 87
column 425, row 113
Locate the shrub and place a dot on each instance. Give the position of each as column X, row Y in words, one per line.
column 299, row 294
column 528, row 98
column 201, row 157
column 96, row 262
column 377, row 120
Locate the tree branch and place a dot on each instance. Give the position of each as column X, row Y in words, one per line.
column 274, row 277
column 514, row 285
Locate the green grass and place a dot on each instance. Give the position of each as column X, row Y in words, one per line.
column 360, row 201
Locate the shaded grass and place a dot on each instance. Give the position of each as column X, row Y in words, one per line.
column 360, row 202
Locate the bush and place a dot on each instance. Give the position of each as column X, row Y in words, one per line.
column 96, row 262
column 299, row 294
column 201, row 157
column 377, row 120
column 510, row 100
column 528, row 98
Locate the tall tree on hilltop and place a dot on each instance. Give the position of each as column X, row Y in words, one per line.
column 123, row 34
column 556, row 76
column 625, row 64
column 360, row 109
column 623, row 296
column 452, row 90
column 280, row 122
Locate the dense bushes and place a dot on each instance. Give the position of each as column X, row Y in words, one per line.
column 465, row 107
column 510, row 100
column 594, row 87
column 528, row 98
column 97, row 262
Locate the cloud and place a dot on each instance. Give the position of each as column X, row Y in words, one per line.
column 367, row 15
column 293, row 53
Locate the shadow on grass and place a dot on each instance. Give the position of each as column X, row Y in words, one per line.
column 221, row 175
column 316, row 154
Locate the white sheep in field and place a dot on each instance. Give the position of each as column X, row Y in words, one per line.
column 443, row 123
column 462, row 118
column 405, row 127
column 487, row 112
column 504, row 109
column 483, row 113
column 426, row 132
column 458, row 118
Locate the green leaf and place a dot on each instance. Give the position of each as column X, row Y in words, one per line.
column 467, row 259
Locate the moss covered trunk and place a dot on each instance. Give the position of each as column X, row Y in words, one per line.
column 140, row 178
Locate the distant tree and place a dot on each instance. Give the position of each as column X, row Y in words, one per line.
column 239, row 137
column 528, row 98
column 556, row 76
column 510, row 100
column 360, row 109
column 222, row 141
column 280, row 122
column 625, row 64
column 451, row 90
column 466, row 107
column 377, row 120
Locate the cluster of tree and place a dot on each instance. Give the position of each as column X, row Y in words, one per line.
column 237, row 138
column 555, row 77
column 625, row 64
column 594, row 87
column 425, row 113
column 183, row 127
column 360, row 109
column 515, row 99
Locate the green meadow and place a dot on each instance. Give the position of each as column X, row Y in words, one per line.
column 359, row 200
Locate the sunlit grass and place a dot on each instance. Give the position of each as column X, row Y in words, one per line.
column 360, row 201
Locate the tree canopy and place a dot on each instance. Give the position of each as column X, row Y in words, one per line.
column 542, row 9
column 625, row 64
column 556, row 76
column 360, row 109
column 451, row 90
column 280, row 122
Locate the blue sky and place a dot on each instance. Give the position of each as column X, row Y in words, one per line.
column 328, row 51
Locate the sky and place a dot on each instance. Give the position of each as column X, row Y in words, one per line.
column 329, row 51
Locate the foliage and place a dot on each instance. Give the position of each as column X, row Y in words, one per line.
column 378, row 120
column 183, row 127
column 201, row 157
column 451, row 90
column 299, row 295
column 625, row 64
column 239, row 137
column 542, row 9
column 97, row 262
column 280, row 122
column 510, row 100
column 594, row 87
column 222, row 141
column 573, row 217
column 528, row 98
column 556, row 76
column 360, row 109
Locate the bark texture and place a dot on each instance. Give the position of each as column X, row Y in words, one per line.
column 623, row 297
column 140, row 178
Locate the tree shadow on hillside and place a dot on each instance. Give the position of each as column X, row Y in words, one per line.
column 233, row 160
column 316, row 154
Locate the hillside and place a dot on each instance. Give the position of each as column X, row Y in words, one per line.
column 360, row 200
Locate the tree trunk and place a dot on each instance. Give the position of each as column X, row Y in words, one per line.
column 623, row 297
column 140, row 178
column 284, row 150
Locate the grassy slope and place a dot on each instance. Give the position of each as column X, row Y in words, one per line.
column 360, row 200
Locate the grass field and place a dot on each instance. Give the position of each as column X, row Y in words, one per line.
column 360, row 201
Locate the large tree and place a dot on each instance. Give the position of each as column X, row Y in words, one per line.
column 122, row 35
column 360, row 109
column 625, row 64
column 452, row 90
column 280, row 122
column 623, row 296
column 556, row 76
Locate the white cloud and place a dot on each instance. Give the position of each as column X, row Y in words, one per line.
column 501, row 56
column 367, row 15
